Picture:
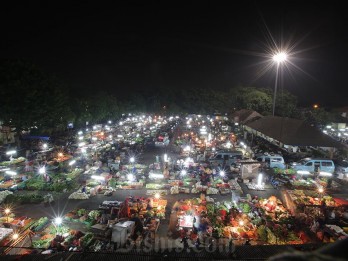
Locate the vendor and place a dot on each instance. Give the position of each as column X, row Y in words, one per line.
column 138, row 226
column 149, row 204
column 152, row 226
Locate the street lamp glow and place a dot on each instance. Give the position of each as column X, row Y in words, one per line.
column 241, row 223
column 10, row 172
column 280, row 57
column 72, row 162
column 130, row 177
column 42, row 170
column 58, row 220
column 222, row 173
column 320, row 190
column 183, row 172
column 132, row 159
column 11, row 152
column 15, row 236
column 7, row 211
column 45, row 145
column 157, row 196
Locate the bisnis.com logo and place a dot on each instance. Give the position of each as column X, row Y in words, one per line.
column 221, row 245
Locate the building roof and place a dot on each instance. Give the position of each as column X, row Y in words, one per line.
column 292, row 132
column 243, row 116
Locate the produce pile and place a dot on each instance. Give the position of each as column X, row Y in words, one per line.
column 310, row 197
column 4, row 194
column 79, row 195
column 14, row 161
column 284, row 171
column 87, row 217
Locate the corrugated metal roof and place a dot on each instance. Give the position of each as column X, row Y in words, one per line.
column 292, row 132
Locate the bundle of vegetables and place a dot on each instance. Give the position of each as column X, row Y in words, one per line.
column 4, row 194
column 80, row 212
column 14, row 161
column 154, row 186
column 40, row 224
column 194, row 190
column 94, row 214
column 79, row 195
column 23, row 199
column 217, row 181
column 86, row 239
column 284, row 171
column 74, row 173
column 212, row 191
column 174, row 190
column 245, row 207
column 42, row 243
column 112, row 182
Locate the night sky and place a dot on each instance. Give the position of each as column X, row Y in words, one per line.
column 120, row 46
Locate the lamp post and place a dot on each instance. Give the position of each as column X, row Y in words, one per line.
column 279, row 58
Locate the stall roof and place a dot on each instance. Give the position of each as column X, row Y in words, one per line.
column 243, row 116
column 292, row 132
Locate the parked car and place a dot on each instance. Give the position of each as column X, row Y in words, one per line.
column 272, row 161
column 314, row 165
column 341, row 166
column 225, row 157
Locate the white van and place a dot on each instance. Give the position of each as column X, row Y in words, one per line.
column 315, row 165
column 227, row 157
column 272, row 161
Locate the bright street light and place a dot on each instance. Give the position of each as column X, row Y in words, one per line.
column 278, row 58
column 11, row 152
column 10, row 172
column 42, row 170
column 72, row 162
column 15, row 236
column 132, row 159
column 58, row 220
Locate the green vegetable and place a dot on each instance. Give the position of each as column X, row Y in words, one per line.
column 81, row 212
column 42, row 243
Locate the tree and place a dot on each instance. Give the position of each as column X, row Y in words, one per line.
column 29, row 98
column 103, row 107
column 286, row 103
